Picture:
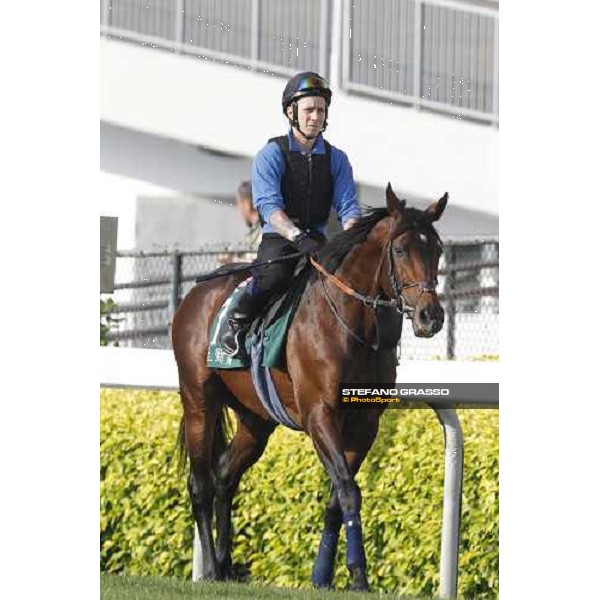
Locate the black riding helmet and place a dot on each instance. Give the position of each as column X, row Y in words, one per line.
column 302, row 85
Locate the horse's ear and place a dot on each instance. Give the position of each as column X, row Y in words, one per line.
column 394, row 205
column 435, row 211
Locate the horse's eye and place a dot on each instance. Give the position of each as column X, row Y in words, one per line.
column 400, row 251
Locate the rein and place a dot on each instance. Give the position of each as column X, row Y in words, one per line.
column 369, row 301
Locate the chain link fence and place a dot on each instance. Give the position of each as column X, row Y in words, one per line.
column 150, row 285
column 469, row 289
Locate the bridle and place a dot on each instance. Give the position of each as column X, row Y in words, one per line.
column 427, row 285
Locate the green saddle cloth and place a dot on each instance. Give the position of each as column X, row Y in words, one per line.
column 272, row 327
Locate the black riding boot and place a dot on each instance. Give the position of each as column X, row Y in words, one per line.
column 240, row 317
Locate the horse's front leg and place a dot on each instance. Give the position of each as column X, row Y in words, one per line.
column 324, row 427
column 358, row 439
column 322, row 573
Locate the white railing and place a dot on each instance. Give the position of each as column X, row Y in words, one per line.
column 434, row 54
column 277, row 36
column 439, row 55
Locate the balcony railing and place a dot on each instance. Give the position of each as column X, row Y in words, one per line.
column 435, row 54
column 277, row 36
column 438, row 55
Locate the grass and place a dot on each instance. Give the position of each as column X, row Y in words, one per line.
column 121, row 587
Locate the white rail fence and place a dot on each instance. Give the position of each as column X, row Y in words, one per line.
column 156, row 369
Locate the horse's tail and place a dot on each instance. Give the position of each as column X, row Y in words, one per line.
column 181, row 450
column 223, row 433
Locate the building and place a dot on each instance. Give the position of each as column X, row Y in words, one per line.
column 190, row 91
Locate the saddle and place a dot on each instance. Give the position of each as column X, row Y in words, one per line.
column 265, row 342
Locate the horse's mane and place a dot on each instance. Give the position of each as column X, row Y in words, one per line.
column 332, row 254
column 335, row 250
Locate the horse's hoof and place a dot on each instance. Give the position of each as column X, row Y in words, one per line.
column 321, row 585
column 239, row 573
column 322, row 581
column 359, row 582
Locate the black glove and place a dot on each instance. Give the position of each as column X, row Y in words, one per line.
column 305, row 244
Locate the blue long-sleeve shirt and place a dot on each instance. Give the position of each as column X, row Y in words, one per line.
column 268, row 169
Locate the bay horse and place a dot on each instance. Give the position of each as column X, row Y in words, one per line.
column 391, row 254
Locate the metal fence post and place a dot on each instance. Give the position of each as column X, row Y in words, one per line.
column 453, row 484
column 495, row 75
column 179, row 24
column 450, row 305
column 323, row 37
column 346, row 42
column 254, row 32
column 176, row 282
column 106, row 13
column 417, row 43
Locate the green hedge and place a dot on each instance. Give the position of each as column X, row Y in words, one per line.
column 146, row 525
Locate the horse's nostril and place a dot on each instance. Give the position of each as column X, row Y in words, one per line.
column 424, row 315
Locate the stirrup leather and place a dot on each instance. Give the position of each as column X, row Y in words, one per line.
column 233, row 340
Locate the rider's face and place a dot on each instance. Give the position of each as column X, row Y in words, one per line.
column 311, row 114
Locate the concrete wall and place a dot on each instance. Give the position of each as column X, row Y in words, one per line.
column 154, row 218
column 194, row 188
column 168, row 194
column 118, row 198
column 185, row 222
column 230, row 109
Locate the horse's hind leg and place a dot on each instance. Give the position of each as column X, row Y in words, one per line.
column 246, row 447
column 200, row 415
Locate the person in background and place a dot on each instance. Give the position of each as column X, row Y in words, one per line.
column 253, row 235
column 250, row 215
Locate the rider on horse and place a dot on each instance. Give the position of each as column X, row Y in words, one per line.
column 296, row 179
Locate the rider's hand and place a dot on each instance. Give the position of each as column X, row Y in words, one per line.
column 305, row 244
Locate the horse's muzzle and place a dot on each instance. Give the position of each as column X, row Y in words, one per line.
column 428, row 320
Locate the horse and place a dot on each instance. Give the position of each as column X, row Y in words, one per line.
column 392, row 253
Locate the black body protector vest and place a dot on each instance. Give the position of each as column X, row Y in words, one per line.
column 306, row 185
